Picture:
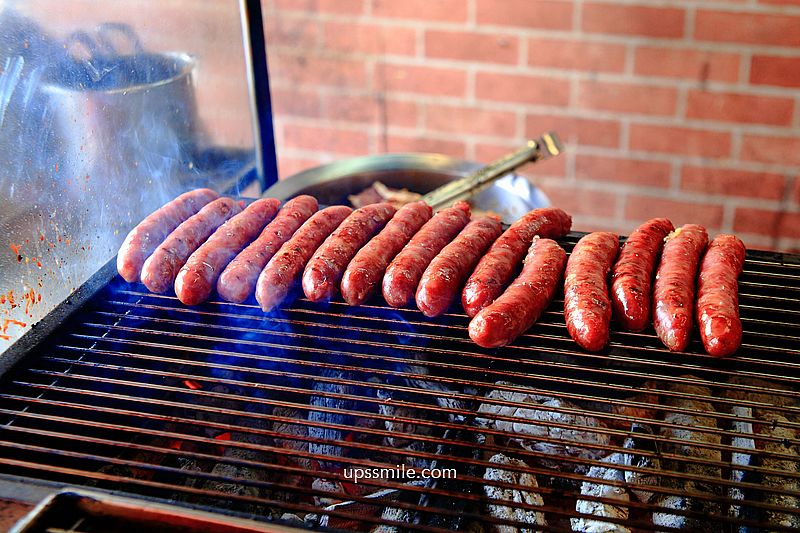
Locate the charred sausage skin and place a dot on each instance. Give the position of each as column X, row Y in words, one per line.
column 633, row 273
column 197, row 278
column 160, row 269
column 674, row 287
column 238, row 281
column 497, row 268
column 142, row 240
column 325, row 269
column 446, row 274
column 718, row 296
column 523, row 302
column 365, row 272
column 587, row 307
column 286, row 266
column 403, row 274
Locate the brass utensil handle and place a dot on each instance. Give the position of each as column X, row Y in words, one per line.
column 545, row 147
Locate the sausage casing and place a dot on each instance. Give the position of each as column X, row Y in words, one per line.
column 403, row 274
column 674, row 286
column 523, row 302
column 631, row 278
column 286, row 266
column 498, row 267
column 160, row 269
column 197, row 278
column 238, row 280
column 587, row 307
column 325, row 269
column 142, row 240
column 445, row 276
column 718, row 296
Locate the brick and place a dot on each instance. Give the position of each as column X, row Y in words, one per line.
column 547, row 14
column 780, row 2
column 294, row 103
column 289, row 166
column 733, row 182
column 576, row 55
column 402, row 143
column 470, row 46
column 301, row 70
column 539, row 90
column 554, row 167
column 580, row 201
column 471, row 120
column 662, row 22
column 297, row 32
column 329, row 140
column 796, row 189
column 689, row 64
column 779, row 71
column 677, row 140
column 767, row 149
column 419, row 79
column 340, row 7
column 748, row 108
column 402, row 114
column 620, row 170
column 574, row 130
column 627, row 98
column 351, row 108
column 766, row 222
column 640, row 208
column 427, row 10
column 364, row 38
column 747, row 27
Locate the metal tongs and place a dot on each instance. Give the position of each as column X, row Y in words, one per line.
column 545, row 147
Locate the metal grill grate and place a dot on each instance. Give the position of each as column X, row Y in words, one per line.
column 223, row 407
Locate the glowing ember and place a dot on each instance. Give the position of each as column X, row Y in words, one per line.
column 191, row 384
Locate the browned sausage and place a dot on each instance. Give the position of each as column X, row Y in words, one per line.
column 673, row 290
column 198, row 276
column 523, row 302
column 325, row 269
column 238, row 280
column 498, row 267
column 404, row 272
column 365, row 272
column 587, row 308
column 160, row 269
column 633, row 272
column 445, row 276
column 718, row 296
column 142, row 240
column 286, row 266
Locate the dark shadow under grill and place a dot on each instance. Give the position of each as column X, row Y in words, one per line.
column 223, row 407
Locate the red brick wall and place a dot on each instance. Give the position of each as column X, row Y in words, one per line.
column 687, row 109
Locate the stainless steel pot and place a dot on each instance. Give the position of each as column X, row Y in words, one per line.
column 510, row 197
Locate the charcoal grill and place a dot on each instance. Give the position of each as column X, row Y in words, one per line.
column 226, row 409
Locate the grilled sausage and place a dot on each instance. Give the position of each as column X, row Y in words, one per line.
column 286, row 266
column 520, row 306
column 497, row 268
column 587, row 308
column 145, row 238
column 325, row 269
column 365, row 271
column 238, row 280
column 446, row 274
column 404, row 272
column 198, row 276
column 717, row 296
column 673, row 290
column 160, row 269
column 633, row 273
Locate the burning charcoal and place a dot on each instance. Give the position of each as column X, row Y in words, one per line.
column 641, row 439
column 648, row 396
column 331, row 486
column 742, row 457
column 599, row 490
column 396, row 518
column 534, row 408
column 522, row 480
column 777, row 428
column 446, row 400
column 379, row 497
column 688, row 436
column 400, row 411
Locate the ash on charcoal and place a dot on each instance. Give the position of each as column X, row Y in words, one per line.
column 777, row 428
column 524, row 517
column 407, row 447
column 641, row 439
column 589, row 524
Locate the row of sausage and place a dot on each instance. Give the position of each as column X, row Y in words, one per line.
column 199, row 242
